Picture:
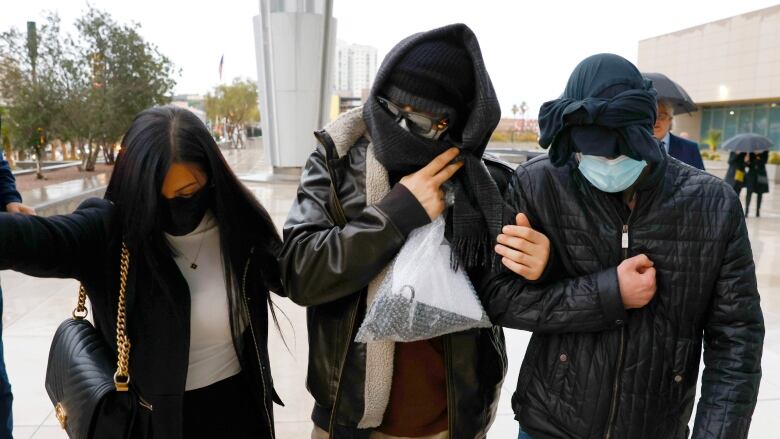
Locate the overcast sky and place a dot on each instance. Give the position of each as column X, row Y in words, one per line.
column 529, row 47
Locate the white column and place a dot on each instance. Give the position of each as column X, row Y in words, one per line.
column 294, row 42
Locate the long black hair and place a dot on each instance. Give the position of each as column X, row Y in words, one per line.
column 158, row 138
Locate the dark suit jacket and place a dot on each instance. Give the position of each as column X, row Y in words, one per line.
column 8, row 192
column 685, row 151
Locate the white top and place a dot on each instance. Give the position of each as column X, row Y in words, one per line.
column 666, row 140
column 212, row 355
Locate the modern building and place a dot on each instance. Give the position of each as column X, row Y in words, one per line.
column 520, row 125
column 355, row 67
column 730, row 68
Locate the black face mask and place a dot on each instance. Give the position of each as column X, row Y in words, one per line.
column 183, row 215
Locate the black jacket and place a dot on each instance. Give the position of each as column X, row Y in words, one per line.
column 85, row 245
column 328, row 268
column 735, row 175
column 8, row 192
column 594, row 370
column 685, row 151
column 756, row 179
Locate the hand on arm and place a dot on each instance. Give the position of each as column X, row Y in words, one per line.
column 15, row 207
column 56, row 246
column 560, row 302
column 523, row 250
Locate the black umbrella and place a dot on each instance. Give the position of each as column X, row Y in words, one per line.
column 748, row 142
column 671, row 91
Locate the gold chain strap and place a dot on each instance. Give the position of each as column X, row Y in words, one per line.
column 122, row 374
column 80, row 313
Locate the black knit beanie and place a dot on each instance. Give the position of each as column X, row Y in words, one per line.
column 436, row 71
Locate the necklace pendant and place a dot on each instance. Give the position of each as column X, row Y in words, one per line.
column 194, row 266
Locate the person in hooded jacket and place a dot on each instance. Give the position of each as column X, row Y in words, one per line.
column 650, row 259
column 422, row 133
column 202, row 263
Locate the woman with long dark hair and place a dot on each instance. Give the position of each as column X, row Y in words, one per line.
column 202, row 261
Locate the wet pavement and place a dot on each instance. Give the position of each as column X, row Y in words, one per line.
column 35, row 307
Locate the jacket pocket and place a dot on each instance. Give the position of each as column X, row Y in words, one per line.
column 559, row 367
column 322, row 332
column 329, row 340
column 679, row 379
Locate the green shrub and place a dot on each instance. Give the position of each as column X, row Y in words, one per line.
column 518, row 137
column 713, row 139
column 710, row 155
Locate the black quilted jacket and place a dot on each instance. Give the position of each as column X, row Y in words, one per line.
column 595, row 370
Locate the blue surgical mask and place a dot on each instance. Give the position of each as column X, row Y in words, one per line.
column 611, row 175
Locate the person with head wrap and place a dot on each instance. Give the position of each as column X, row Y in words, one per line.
column 413, row 152
column 650, row 258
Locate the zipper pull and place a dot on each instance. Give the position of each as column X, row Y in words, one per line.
column 624, row 240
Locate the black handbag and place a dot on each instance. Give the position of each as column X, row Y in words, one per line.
column 89, row 385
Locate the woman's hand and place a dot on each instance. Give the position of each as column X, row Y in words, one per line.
column 425, row 184
column 15, row 207
column 525, row 251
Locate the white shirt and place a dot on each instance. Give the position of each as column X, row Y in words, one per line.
column 212, row 357
column 665, row 141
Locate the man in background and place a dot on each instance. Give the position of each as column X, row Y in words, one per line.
column 10, row 201
column 677, row 147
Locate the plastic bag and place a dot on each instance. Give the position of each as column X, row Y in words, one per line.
column 422, row 297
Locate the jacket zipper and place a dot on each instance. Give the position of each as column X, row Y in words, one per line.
column 624, row 244
column 257, row 350
column 141, row 401
column 332, row 422
column 616, row 384
column 447, row 342
column 145, row 404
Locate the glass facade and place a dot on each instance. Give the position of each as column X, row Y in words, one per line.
column 761, row 119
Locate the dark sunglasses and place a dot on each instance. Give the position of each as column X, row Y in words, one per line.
column 422, row 124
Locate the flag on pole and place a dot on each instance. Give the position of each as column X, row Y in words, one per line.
column 221, row 61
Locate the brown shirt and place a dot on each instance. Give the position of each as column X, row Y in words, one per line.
column 418, row 397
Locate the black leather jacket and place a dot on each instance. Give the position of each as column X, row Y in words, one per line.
column 327, row 269
column 594, row 370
